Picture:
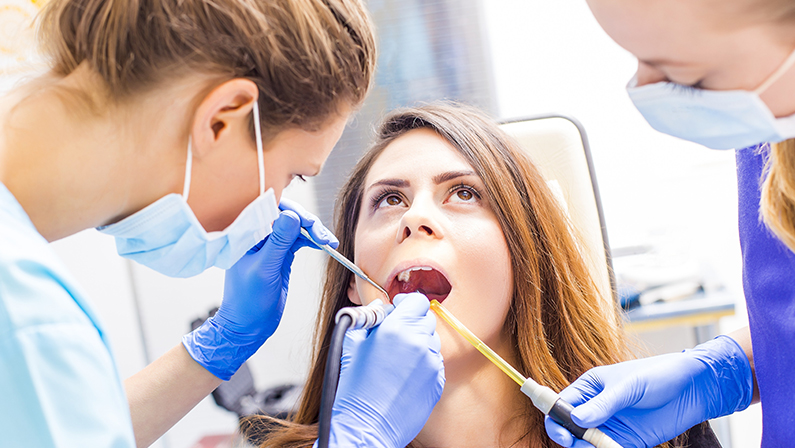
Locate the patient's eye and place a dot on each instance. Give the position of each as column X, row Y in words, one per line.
column 388, row 199
column 464, row 193
column 392, row 200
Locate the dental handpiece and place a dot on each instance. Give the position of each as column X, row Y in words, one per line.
column 345, row 262
column 543, row 398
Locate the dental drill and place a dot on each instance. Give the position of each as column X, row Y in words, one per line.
column 348, row 318
column 543, row 398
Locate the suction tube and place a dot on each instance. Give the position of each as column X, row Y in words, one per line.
column 349, row 318
column 543, row 398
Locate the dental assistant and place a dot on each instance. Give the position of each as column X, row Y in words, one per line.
column 174, row 126
column 719, row 73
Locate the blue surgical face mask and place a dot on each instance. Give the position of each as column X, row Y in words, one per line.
column 718, row 119
column 167, row 237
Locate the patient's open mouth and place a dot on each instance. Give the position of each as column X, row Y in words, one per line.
column 422, row 279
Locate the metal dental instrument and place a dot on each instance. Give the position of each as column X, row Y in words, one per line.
column 345, row 262
column 543, row 398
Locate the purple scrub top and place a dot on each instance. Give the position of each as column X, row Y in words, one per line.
column 769, row 284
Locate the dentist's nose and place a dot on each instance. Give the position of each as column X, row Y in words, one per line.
column 419, row 220
column 648, row 74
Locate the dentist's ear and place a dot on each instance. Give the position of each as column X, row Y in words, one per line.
column 353, row 292
column 223, row 112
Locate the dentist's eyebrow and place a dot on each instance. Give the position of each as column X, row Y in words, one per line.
column 450, row 175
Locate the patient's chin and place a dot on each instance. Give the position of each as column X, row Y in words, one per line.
column 461, row 360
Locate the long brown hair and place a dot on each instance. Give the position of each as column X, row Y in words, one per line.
column 307, row 57
column 556, row 319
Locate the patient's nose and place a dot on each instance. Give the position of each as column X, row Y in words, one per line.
column 419, row 221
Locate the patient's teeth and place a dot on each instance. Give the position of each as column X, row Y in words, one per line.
column 406, row 275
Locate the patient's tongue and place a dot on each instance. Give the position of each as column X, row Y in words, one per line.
column 431, row 283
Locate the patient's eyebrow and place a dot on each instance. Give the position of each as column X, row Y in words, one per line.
column 450, row 175
column 398, row 183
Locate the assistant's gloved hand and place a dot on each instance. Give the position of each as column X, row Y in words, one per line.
column 390, row 379
column 649, row 401
column 255, row 291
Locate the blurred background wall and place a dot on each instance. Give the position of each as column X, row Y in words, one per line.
column 427, row 50
column 510, row 57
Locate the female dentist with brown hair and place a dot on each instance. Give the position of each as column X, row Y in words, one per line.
column 720, row 73
column 174, row 126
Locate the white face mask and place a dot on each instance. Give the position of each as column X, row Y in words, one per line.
column 718, row 119
column 167, row 237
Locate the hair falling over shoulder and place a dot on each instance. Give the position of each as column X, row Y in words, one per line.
column 557, row 316
column 778, row 192
column 307, row 57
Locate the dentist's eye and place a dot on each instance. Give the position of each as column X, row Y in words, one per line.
column 688, row 88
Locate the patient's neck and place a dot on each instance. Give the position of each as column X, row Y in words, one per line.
column 478, row 406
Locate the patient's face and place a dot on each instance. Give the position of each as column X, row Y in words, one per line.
column 426, row 225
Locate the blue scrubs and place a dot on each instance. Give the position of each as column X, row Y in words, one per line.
column 769, row 284
column 58, row 382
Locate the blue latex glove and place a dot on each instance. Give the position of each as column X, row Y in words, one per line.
column 255, row 291
column 649, row 401
column 390, row 379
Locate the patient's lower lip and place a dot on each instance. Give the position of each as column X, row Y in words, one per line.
column 438, row 297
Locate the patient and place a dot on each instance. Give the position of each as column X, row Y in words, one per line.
column 446, row 204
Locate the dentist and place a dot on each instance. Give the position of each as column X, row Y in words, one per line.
column 719, row 73
column 174, row 126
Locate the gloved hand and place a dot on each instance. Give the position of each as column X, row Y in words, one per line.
column 649, row 401
column 255, row 291
column 390, row 379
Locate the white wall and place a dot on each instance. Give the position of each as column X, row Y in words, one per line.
column 552, row 56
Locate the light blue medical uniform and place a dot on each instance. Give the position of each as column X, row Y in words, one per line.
column 59, row 386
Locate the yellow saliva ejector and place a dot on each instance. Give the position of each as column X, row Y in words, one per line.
column 543, row 398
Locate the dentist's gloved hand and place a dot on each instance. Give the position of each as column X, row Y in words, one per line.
column 390, row 379
column 649, row 401
column 255, row 291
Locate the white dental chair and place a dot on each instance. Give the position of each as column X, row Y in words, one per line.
column 559, row 147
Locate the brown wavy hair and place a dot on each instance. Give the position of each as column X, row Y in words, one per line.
column 559, row 322
column 307, row 57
